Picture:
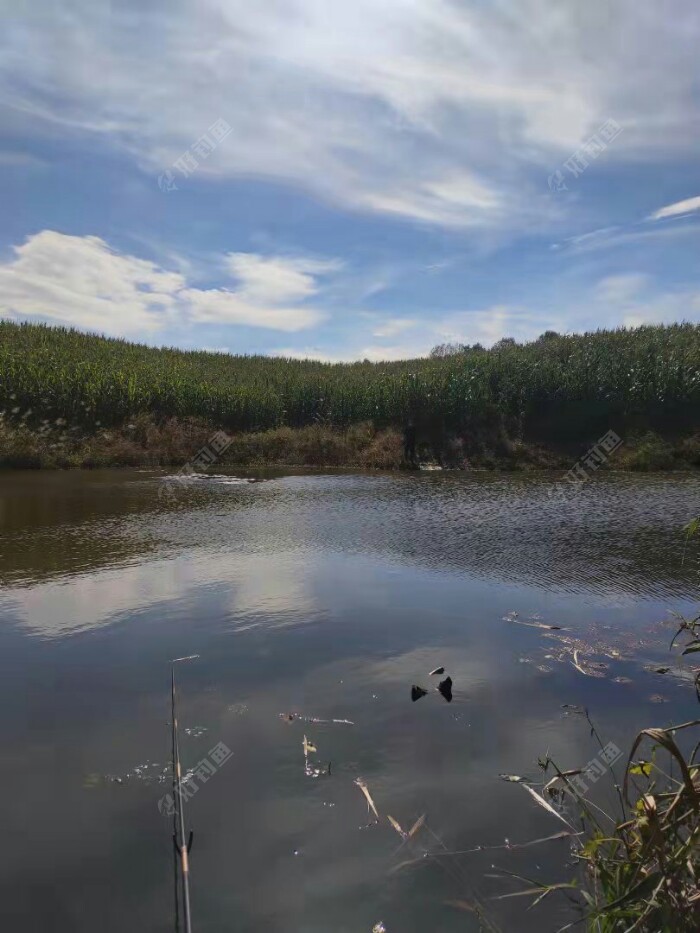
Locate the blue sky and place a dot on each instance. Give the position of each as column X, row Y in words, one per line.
column 349, row 180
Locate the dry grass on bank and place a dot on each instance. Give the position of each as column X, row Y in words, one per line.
column 145, row 441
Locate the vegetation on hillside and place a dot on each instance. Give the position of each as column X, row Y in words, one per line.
column 644, row 376
column 60, row 388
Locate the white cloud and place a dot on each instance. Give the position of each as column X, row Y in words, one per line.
column 488, row 325
column 372, row 352
column 624, row 300
column 627, row 299
column 402, row 351
column 392, row 327
column 630, row 299
column 622, row 288
column 443, row 112
column 675, row 210
column 610, row 238
column 82, row 282
column 221, row 306
column 458, row 202
column 312, row 353
column 273, row 280
column 587, row 240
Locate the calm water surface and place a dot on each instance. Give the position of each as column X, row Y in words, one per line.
column 328, row 597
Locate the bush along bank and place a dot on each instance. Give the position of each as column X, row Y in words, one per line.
column 145, row 441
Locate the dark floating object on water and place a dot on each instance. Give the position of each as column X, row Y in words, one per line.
column 445, row 688
column 661, row 670
column 438, row 670
column 417, row 693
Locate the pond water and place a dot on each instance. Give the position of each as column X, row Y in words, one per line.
column 326, row 597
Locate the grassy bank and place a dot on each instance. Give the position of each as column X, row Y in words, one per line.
column 145, row 441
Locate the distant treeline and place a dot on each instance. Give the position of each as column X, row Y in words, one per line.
column 566, row 387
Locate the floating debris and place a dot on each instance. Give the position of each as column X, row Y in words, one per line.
column 543, row 803
column 592, row 669
column 309, row 769
column 514, row 779
column 571, row 708
column 297, row 717
column 657, row 698
column 365, row 790
column 438, row 670
column 196, row 732
column 568, row 646
column 462, row 905
column 533, row 621
column 379, row 928
column 622, row 680
column 445, row 688
column 338, row 722
column 412, row 831
column 147, row 773
column 417, row 693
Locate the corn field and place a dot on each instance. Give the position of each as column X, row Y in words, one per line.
column 564, row 386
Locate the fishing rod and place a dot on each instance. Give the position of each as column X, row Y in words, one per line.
column 181, row 841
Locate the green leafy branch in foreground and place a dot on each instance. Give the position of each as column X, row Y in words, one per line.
column 691, row 627
column 640, row 872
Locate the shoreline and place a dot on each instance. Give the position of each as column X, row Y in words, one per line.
column 174, row 443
